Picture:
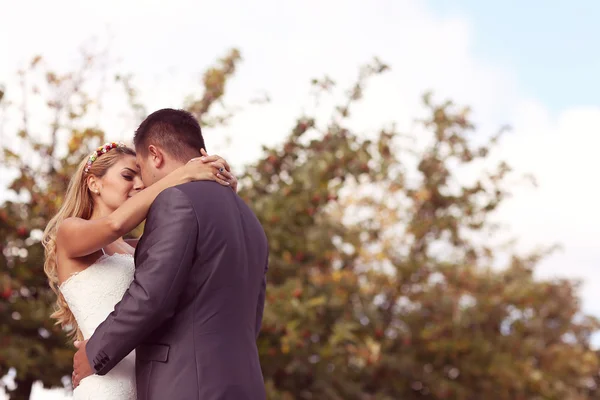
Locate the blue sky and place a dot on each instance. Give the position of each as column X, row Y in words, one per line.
column 551, row 45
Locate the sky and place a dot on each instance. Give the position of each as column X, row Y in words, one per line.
column 530, row 65
column 549, row 44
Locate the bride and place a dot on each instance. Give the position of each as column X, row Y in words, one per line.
column 88, row 263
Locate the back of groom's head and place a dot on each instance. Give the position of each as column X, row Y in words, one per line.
column 176, row 132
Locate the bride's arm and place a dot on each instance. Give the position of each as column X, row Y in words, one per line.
column 79, row 237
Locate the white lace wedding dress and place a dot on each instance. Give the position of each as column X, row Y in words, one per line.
column 92, row 295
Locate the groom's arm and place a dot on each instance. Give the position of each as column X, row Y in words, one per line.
column 260, row 306
column 164, row 257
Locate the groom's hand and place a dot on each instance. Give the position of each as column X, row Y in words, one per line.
column 81, row 365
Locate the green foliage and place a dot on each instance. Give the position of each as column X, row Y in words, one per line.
column 381, row 283
column 378, row 288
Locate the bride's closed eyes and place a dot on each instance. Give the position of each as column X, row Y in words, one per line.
column 128, row 174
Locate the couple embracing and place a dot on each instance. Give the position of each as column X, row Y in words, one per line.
column 175, row 315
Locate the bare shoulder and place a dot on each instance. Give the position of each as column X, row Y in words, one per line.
column 67, row 225
column 70, row 221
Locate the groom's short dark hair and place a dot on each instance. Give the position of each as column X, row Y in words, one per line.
column 175, row 131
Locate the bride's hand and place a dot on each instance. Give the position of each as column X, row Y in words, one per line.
column 212, row 168
column 225, row 174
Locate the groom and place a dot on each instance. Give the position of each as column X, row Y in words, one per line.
column 194, row 309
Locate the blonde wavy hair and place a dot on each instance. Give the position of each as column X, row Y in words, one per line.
column 78, row 202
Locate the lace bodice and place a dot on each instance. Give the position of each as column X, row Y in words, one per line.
column 93, row 293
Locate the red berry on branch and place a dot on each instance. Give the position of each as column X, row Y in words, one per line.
column 22, row 231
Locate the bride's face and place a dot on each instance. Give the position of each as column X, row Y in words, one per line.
column 121, row 181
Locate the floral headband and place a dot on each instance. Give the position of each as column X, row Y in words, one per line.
column 99, row 151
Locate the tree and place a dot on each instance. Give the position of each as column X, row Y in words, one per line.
column 380, row 285
column 381, row 280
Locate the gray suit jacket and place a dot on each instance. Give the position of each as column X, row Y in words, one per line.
column 194, row 309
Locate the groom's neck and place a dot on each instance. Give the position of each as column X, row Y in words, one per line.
column 171, row 166
column 171, row 163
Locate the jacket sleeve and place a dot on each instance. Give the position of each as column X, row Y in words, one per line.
column 164, row 257
column 260, row 306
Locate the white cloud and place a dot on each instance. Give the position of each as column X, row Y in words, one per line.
column 561, row 152
column 285, row 44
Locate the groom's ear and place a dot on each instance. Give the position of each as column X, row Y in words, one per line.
column 156, row 156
